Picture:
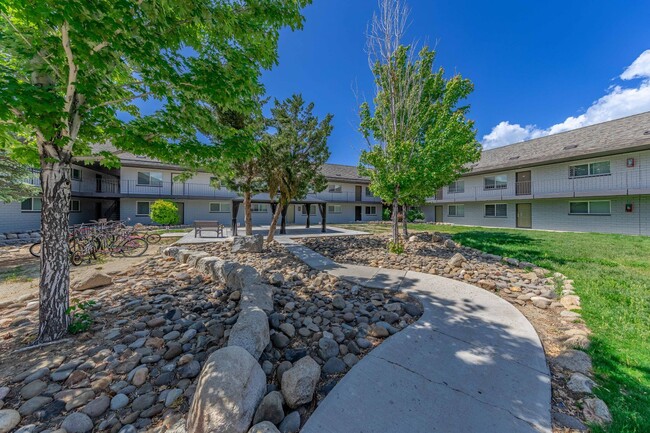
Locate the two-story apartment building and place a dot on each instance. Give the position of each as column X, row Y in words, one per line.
column 595, row 178
column 127, row 193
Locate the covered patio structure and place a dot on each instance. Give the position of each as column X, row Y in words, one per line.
column 308, row 201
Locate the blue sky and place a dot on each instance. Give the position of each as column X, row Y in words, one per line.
column 538, row 66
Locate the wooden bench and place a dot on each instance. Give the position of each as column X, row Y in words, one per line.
column 216, row 226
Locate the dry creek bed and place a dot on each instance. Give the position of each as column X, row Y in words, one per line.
column 155, row 326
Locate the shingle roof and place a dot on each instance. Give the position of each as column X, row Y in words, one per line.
column 615, row 136
column 343, row 172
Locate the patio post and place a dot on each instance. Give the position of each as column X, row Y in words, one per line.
column 308, row 207
column 235, row 210
column 323, row 213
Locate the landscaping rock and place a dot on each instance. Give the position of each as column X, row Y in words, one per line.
column 248, row 244
column 251, row 331
column 580, row 383
column 299, row 382
column 574, row 360
column 457, row 260
column 9, row 419
column 92, row 281
column 270, row 409
column 241, row 383
column 290, row 423
column 77, row 422
column 97, row 407
column 264, row 427
column 596, row 411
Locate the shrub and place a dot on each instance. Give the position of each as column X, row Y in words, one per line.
column 80, row 318
column 385, row 214
column 414, row 214
column 164, row 212
column 396, row 247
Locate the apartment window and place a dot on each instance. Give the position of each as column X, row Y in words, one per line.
column 142, row 208
column 592, row 169
column 456, row 210
column 371, row 210
column 303, row 210
column 33, row 204
column 592, row 207
column 334, row 208
column 499, row 210
column 259, row 207
column 335, row 188
column 496, row 182
column 149, row 178
column 75, row 206
column 456, row 187
column 76, row 174
column 368, row 192
column 219, row 207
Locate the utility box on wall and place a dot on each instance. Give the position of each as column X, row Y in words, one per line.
column 629, row 207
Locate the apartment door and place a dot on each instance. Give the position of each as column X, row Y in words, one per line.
column 438, row 210
column 178, row 187
column 98, row 183
column 291, row 214
column 181, row 212
column 357, row 213
column 524, row 215
column 357, row 192
column 523, row 183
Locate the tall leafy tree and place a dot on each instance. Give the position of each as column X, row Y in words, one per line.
column 295, row 149
column 419, row 138
column 73, row 73
column 13, row 181
column 245, row 172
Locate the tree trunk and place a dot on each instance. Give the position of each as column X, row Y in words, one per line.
column 55, row 260
column 274, row 222
column 405, row 230
column 394, row 217
column 248, row 215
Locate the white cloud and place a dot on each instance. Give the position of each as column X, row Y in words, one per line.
column 618, row 102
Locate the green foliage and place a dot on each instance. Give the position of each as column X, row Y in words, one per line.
column 13, row 177
column 164, row 212
column 80, row 317
column 396, row 247
column 385, row 214
column 414, row 214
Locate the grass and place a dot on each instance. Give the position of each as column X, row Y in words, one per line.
column 611, row 273
column 15, row 274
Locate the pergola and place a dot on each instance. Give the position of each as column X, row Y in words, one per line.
column 261, row 198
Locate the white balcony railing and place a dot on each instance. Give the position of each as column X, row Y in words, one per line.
column 625, row 183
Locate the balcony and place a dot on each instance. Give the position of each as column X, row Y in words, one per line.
column 347, row 197
column 622, row 183
column 175, row 190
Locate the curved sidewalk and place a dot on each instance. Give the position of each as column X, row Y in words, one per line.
column 471, row 363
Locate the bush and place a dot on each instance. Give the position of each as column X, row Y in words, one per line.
column 396, row 247
column 385, row 214
column 414, row 214
column 80, row 318
column 164, row 212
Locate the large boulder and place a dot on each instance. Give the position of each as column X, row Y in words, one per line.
column 457, row 260
column 92, row 281
column 299, row 382
column 251, row 331
column 242, row 276
column 264, row 427
column 257, row 295
column 228, row 391
column 248, row 244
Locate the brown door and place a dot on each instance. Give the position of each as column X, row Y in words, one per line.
column 523, row 183
column 438, row 210
column 357, row 213
column 357, row 192
column 524, row 215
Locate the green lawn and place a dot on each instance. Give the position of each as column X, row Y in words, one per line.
column 612, row 276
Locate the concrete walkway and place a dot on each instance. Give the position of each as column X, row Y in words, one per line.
column 472, row 363
column 293, row 231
